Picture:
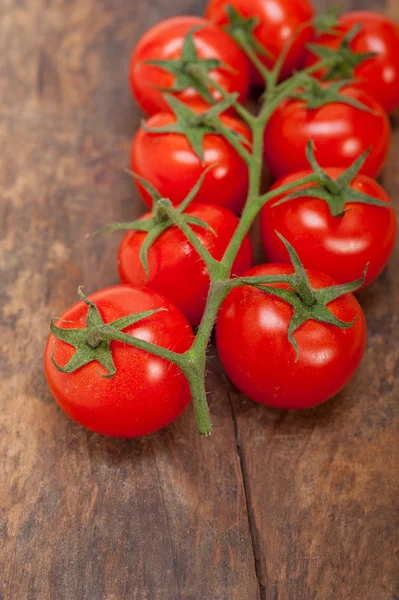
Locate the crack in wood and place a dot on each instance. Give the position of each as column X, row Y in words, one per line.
column 251, row 520
column 175, row 570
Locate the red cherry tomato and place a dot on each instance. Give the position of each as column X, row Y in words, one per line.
column 340, row 133
column 147, row 392
column 165, row 41
column 341, row 246
column 253, row 345
column 280, row 22
column 377, row 76
column 175, row 269
column 168, row 162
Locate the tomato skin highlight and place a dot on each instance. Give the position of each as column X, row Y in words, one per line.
column 378, row 76
column 147, row 392
column 279, row 20
column 253, row 346
column 340, row 246
column 175, row 269
column 165, row 41
column 168, row 162
column 340, row 133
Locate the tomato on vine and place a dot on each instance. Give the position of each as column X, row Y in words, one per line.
column 125, row 361
column 368, row 43
column 342, row 120
column 172, row 157
column 110, row 387
column 283, row 351
column 337, row 227
column 268, row 26
column 190, row 57
column 174, row 267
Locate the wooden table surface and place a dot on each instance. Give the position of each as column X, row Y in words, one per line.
column 275, row 505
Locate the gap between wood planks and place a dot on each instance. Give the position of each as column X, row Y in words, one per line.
column 251, row 520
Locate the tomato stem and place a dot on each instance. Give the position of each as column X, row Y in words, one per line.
column 193, row 362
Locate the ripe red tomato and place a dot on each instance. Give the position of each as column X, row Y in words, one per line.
column 147, row 392
column 175, row 269
column 340, row 133
column 165, row 41
column 168, row 162
column 253, row 345
column 378, row 76
column 340, row 246
column 280, row 22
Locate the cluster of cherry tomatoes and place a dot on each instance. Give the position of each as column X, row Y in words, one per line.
column 336, row 228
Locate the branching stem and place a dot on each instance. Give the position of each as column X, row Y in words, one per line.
column 193, row 362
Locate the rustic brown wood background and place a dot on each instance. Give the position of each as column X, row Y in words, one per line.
column 275, row 505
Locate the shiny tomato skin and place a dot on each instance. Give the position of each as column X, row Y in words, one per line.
column 252, row 342
column 340, row 133
column 146, row 393
column 339, row 246
column 279, row 21
column 175, row 269
column 377, row 76
column 168, row 162
column 164, row 41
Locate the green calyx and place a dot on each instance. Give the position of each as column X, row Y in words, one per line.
column 316, row 95
column 190, row 71
column 335, row 192
column 308, row 304
column 242, row 31
column 327, row 21
column 343, row 61
column 195, row 126
column 161, row 218
column 92, row 344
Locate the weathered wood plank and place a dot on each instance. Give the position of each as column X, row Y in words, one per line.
column 83, row 516
column 322, row 484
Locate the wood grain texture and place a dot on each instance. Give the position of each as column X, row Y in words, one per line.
column 275, row 505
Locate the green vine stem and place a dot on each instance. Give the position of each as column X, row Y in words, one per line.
column 193, row 362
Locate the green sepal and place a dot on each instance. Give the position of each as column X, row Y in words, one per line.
column 190, row 71
column 315, row 95
column 328, row 294
column 343, row 60
column 242, row 31
column 159, row 222
column 194, row 190
column 335, row 192
column 327, row 21
column 307, row 303
column 159, row 229
column 138, row 225
column 88, row 342
column 192, row 125
column 149, row 188
column 191, row 220
column 150, row 239
column 162, row 222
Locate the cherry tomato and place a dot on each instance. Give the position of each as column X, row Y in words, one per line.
column 168, row 162
column 147, row 392
column 165, row 41
column 252, row 341
column 378, row 76
column 281, row 22
column 340, row 133
column 175, row 269
column 340, row 246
